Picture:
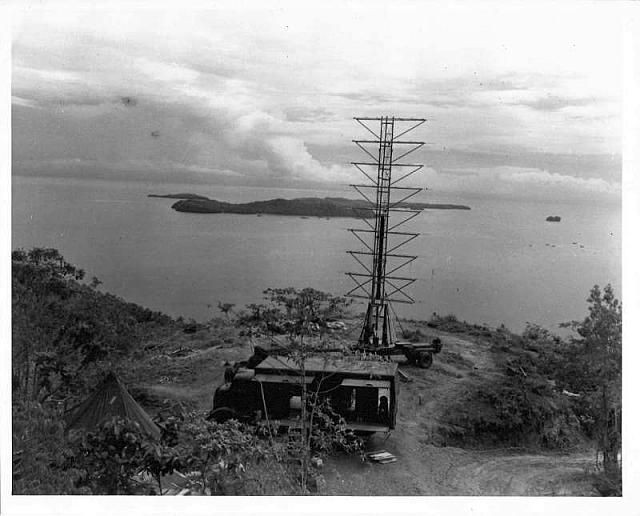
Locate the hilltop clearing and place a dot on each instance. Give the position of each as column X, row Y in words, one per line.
column 437, row 452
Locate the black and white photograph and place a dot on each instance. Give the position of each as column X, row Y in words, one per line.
column 367, row 250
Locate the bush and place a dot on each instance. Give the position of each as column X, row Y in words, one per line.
column 110, row 456
column 221, row 453
column 521, row 407
column 40, row 453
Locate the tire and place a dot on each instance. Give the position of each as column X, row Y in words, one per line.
column 221, row 414
column 425, row 359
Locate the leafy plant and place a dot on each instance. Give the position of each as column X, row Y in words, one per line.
column 218, row 451
column 110, row 456
column 159, row 458
column 41, row 457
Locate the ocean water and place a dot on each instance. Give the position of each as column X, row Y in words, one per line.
column 499, row 263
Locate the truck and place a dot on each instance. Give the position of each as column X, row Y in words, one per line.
column 363, row 392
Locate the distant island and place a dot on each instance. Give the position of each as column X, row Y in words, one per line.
column 304, row 207
column 179, row 196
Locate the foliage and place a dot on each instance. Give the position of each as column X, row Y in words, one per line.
column 40, row 452
column 596, row 370
column 521, row 409
column 522, row 406
column 329, row 432
column 64, row 332
column 225, row 308
column 218, row 451
column 163, row 457
column 556, row 390
column 293, row 312
column 110, row 456
column 303, row 316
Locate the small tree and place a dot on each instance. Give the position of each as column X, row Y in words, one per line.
column 225, row 308
column 596, row 369
column 302, row 316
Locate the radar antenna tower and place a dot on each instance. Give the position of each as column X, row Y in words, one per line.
column 380, row 280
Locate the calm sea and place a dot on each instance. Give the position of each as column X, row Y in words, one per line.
column 498, row 263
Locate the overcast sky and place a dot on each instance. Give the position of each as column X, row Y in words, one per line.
column 521, row 100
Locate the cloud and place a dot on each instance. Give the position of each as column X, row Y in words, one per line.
column 19, row 101
column 267, row 97
column 555, row 102
column 523, row 183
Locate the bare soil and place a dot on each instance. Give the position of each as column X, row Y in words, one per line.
column 426, row 463
column 427, row 466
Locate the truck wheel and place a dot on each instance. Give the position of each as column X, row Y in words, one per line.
column 411, row 356
column 221, row 414
column 425, row 359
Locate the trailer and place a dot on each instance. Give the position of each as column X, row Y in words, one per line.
column 363, row 392
column 416, row 353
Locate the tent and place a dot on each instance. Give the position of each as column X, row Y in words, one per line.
column 110, row 399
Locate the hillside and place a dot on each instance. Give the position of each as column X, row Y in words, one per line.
column 487, row 418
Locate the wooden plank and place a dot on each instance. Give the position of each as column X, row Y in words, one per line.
column 404, row 376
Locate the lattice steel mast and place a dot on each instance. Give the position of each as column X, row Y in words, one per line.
column 378, row 284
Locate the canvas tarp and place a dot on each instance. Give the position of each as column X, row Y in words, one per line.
column 110, row 399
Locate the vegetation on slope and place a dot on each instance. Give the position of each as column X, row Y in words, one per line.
column 552, row 393
column 66, row 335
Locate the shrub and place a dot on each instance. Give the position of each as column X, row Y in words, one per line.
column 110, row 456
column 40, row 452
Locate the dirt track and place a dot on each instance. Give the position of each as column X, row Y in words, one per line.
column 423, row 468
column 425, row 465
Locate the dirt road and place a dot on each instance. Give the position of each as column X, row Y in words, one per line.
column 425, row 468
column 425, row 465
